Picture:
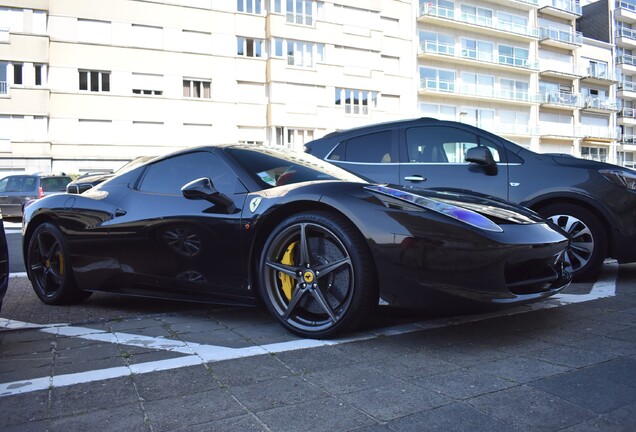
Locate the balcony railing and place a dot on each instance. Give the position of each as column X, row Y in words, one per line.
column 560, row 130
column 628, row 113
column 570, row 6
column 432, row 9
column 626, row 33
column 559, row 67
column 481, row 91
column 561, row 99
column 629, row 86
column 601, row 103
column 628, row 139
column 601, row 73
column 599, row 132
column 433, row 47
column 4, row 88
column 4, row 35
column 626, row 5
column 574, row 38
column 626, row 59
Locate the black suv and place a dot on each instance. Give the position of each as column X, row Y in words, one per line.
column 594, row 202
column 16, row 190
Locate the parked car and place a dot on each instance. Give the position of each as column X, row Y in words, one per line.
column 320, row 247
column 594, row 202
column 87, row 181
column 4, row 263
column 16, row 190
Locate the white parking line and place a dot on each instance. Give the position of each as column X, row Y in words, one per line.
column 200, row 353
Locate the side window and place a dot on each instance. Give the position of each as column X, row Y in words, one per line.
column 170, row 175
column 3, row 184
column 371, row 148
column 443, row 145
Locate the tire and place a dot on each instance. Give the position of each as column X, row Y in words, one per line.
column 49, row 268
column 316, row 275
column 588, row 240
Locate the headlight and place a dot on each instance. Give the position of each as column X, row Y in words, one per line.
column 461, row 214
column 621, row 178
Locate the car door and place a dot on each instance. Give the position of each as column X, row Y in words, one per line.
column 434, row 157
column 166, row 242
column 373, row 155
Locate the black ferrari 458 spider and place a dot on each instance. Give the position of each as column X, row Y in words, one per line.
column 319, row 247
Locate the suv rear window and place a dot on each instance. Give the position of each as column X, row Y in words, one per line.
column 371, row 148
column 54, row 184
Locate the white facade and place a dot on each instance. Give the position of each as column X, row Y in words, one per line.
column 87, row 85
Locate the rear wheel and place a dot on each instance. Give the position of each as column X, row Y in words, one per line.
column 49, row 268
column 316, row 275
column 588, row 241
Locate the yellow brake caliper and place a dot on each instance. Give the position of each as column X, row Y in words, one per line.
column 287, row 281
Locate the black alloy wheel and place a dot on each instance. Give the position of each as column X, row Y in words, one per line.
column 588, row 243
column 316, row 275
column 49, row 268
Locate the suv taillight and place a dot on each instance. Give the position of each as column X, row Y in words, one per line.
column 40, row 192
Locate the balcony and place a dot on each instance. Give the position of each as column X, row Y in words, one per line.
column 559, row 38
column 4, row 35
column 627, row 90
column 597, row 75
column 627, row 62
column 601, row 105
column 626, row 38
column 519, row 4
column 480, row 92
column 558, row 69
column 627, row 117
column 4, row 88
column 628, row 139
column 557, row 131
column 560, row 100
column 625, row 12
column 485, row 59
column 599, row 133
column 432, row 13
column 566, row 9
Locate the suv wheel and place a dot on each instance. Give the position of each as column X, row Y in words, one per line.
column 588, row 240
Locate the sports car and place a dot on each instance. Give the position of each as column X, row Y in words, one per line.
column 319, row 247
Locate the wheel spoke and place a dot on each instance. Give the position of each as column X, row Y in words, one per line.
column 285, row 269
column 298, row 294
column 304, row 245
column 55, row 276
column 328, row 268
column 320, row 298
column 586, row 247
column 44, row 251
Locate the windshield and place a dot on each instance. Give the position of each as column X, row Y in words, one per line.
column 272, row 167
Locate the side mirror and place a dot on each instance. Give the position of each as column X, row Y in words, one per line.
column 203, row 189
column 482, row 156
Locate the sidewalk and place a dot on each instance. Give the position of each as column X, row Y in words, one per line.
column 158, row 366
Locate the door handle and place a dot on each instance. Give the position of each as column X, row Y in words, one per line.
column 119, row 212
column 415, row 178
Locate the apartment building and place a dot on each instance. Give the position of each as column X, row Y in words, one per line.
column 521, row 69
column 88, row 85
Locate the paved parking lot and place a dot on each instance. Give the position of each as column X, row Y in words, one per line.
column 115, row 363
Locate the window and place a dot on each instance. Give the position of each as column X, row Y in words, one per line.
column 594, row 153
column 170, row 175
column 513, row 56
column 512, row 23
column 476, row 15
column 249, row 47
column 477, row 84
column 442, row 112
column 303, row 54
column 39, row 74
column 478, row 50
column 17, row 73
column 3, row 78
column 302, row 11
column 94, row 81
column 249, row 6
column 196, row 89
column 371, row 148
column 437, row 43
column 597, row 69
column 93, row 31
column 147, row 84
column 437, row 79
column 356, row 101
column 443, row 144
column 513, row 89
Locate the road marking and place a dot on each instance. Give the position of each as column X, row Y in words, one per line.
column 197, row 354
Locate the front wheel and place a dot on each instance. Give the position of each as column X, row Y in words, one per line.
column 316, row 275
column 49, row 268
column 588, row 241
